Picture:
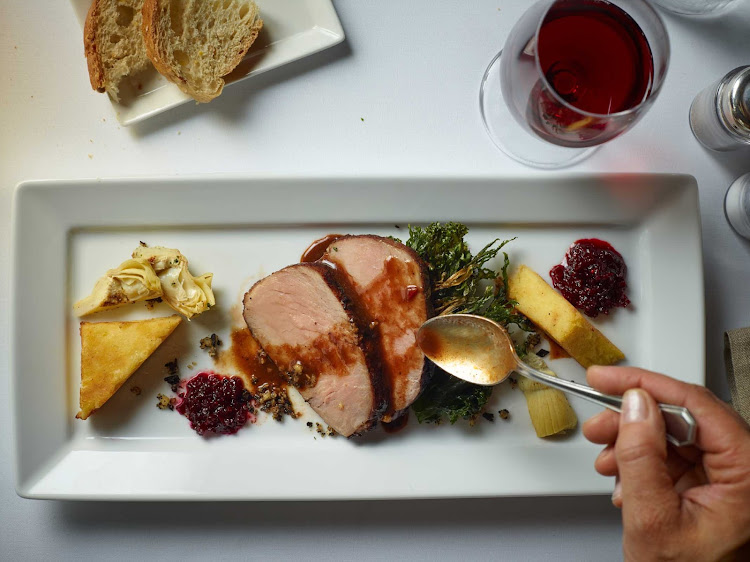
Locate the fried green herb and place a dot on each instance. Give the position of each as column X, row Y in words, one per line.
column 462, row 283
column 448, row 397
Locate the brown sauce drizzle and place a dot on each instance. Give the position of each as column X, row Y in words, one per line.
column 316, row 250
column 393, row 290
column 260, row 375
column 431, row 344
column 556, row 351
column 396, row 425
column 256, row 369
column 332, row 353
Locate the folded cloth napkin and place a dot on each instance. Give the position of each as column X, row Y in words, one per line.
column 737, row 361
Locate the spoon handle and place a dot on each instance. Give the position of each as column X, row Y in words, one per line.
column 679, row 422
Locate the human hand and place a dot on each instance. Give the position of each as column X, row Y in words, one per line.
column 686, row 503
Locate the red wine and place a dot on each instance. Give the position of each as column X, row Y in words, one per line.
column 595, row 56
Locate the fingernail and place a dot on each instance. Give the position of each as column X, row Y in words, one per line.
column 617, row 493
column 633, row 406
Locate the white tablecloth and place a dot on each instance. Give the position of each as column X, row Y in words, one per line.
column 412, row 71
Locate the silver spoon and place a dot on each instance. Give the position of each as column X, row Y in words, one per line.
column 480, row 351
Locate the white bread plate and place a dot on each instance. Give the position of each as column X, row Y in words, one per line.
column 293, row 29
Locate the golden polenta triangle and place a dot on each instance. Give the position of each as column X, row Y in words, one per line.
column 112, row 351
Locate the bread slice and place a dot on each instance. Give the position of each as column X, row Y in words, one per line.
column 195, row 43
column 113, row 43
column 112, row 351
column 559, row 319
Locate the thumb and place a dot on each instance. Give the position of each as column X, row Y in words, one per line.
column 641, row 453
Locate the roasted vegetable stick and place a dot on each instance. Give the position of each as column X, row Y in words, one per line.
column 549, row 408
column 559, row 319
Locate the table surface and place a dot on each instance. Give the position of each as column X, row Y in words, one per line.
column 399, row 97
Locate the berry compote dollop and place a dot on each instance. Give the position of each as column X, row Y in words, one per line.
column 592, row 277
column 215, row 403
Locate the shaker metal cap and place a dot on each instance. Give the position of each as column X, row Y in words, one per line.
column 734, row 102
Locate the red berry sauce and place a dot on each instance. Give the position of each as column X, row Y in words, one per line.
column 592, row 277
column 215, row 403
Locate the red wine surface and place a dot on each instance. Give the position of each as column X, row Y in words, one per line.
column 595, row 56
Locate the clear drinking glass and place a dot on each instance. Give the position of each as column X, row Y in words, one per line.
column 694, row 7
column 540, row 114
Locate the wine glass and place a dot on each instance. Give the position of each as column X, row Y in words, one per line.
column 573, row 74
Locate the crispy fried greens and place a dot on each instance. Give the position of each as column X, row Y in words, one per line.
column 462, row 283
column 447, row 397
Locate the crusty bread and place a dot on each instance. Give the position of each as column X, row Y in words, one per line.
column 113, row 43
column 195, row 43
column 112, row 351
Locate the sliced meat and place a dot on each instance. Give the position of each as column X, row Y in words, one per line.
column 308, row 327
column 392, row 287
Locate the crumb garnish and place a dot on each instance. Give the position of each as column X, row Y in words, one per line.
column 151, row 302
column 172, row 367
column 173, row 381
column 173, row 375
column 164, row 402
column 533, row 340
column 136, row 390
column 297, row 377
column 211, row 345
column 504, row 414
column 274, row 401
column 489, row 417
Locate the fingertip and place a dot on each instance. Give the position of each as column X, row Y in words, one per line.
column 617, row 494
column 604, row 377
column 638, row 406
column 602, row 428
column 591, row 423
column 594, row 373
column 606, row 463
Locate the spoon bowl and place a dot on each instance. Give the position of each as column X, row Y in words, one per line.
column 480, row 351
column 469, row 347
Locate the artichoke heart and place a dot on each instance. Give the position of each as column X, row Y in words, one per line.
column 134, row 280
column 549, row 408
column 186, row 294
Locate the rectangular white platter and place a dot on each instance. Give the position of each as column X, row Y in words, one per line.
column 292, row 29
column 68, row 233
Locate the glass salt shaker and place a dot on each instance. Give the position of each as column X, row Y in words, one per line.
column 737, row 205
column 720, row 114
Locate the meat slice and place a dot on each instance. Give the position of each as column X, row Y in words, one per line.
column 307, row 326
column 392, row 286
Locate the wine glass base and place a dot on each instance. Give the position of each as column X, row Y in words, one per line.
column 513, row 139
